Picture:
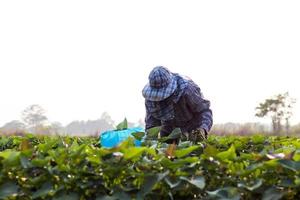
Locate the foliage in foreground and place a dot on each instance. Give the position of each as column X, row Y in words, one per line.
column 256, row 167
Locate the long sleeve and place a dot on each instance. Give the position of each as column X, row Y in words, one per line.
column 200, row 108
column 151, row 121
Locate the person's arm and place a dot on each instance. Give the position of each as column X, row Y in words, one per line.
column 150, row 121
column 200, row 107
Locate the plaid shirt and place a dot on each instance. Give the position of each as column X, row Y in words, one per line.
column 186, row 109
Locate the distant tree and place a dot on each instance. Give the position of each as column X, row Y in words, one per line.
column 279, row 108
column 239, row 128
column 296, row 129
column 56, row 128
column 76, row 128
column 90, row 127
column 107, row 118
column 13, row 127
column 288, row 111
column 34, row 117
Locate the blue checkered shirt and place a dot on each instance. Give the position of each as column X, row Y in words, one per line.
column 185, row 109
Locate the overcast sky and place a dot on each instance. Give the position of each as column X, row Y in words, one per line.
column 78, row 59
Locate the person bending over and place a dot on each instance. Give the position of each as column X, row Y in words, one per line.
column 174, row 101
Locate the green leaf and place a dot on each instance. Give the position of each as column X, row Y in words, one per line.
column 176, row 133
column 77, row 150
column 183, row 152
column 11, row 157
column 69, row 196
column 184, row 144
column 286, row 182
column 258, row 139
column 133, row 152
column 177, row 163
column 106, row 197
column 228, row 193
column 210, row 151
column 198, row 181
column 25, row 162
column 171, row 184
column 151, row 151
column 129, row 142
column 297, row 181
column 270, row 164
column 40, row 162
column 272, row 194
column 138, row 135
column 123, row 125
column 149, row 182
column 296, row 156
column 152, row 133
column 8, row 189
column 94, row 159
column 43, row 191
column 120, row 194
column 45, row 147
column 25, row 145
column 227, row 155
column 255, row 186
column 289, row 164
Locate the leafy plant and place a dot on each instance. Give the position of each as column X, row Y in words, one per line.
column 123, row 125
column 231, row 167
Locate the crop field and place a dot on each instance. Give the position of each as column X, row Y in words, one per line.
column 223, row 167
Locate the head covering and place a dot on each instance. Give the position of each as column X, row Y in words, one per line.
column 164, row 110
column 162, row 84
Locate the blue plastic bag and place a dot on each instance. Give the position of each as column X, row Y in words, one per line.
column 110, row 139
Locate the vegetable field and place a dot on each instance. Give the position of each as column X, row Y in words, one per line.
column 228, row 167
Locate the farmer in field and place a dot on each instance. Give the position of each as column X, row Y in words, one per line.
column 173, row 101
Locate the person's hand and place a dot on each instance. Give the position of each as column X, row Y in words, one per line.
column 198, row 135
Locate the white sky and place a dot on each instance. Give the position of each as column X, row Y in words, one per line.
column 78, row 59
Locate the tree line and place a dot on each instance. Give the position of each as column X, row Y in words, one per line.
column 278, row 108
column 35, row 120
